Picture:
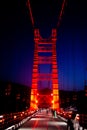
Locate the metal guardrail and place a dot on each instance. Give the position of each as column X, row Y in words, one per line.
column 83, row 120
column 17, row 125
column 14, row 119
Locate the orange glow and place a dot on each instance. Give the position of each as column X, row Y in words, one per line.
column 55, row 86
column 55, row 98
column 1, row 120
column 32, row 97
column 34, row 91
column 55, row 92
column 52, row 101
column 36, row 101
column 15, row 117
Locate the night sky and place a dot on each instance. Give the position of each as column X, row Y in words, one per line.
column 17, row 44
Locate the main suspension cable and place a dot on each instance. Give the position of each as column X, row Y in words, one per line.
column 59, row 18
column 61, row 13
column 31, row 16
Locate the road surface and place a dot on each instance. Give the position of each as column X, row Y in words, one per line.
column 44, row 121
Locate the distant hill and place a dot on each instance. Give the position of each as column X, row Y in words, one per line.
column 13, row 97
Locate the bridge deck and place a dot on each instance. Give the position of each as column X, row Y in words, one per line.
column 44, row 121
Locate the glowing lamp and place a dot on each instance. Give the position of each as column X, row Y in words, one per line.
column 52, row 101
column 15, row 117
column 51, row 94
column 36, row 101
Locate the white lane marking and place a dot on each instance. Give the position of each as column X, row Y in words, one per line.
column 57, row 123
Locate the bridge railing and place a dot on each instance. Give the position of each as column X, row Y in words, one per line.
column 83, row 120
column 7, row 120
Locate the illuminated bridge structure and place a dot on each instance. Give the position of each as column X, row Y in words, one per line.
column 45, row 46
column 45, row 54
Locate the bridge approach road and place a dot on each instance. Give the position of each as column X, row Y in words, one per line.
column 44, row 121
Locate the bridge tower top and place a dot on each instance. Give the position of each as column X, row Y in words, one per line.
column 37, row 35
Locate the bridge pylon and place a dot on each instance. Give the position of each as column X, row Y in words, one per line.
column 45, row 54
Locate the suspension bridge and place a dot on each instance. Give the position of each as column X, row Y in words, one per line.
column 40, row 115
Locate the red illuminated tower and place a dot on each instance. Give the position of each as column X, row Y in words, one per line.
column 45, row 46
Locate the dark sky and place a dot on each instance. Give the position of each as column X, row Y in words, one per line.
column 17, row 44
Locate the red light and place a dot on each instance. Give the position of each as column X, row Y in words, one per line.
column 15, row 117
